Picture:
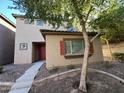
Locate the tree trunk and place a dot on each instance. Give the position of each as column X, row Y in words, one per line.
column 108, row 45
column 82, row 85
column 109, row 48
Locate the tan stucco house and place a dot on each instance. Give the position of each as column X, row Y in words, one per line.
column 7, row 40
column 38, row 40
column 67, row 48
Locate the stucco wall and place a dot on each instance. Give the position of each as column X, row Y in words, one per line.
column 27, row 33
column 54, row 58
column 117, row 47
column 7, row 40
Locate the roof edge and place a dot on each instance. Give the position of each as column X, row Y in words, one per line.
column 59, row 32
column 18, row 15
column 7, row 20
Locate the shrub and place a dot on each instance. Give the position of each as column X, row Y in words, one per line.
column 118, row 56
column 1, row 69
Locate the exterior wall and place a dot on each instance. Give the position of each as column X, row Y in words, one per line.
column 7, row 40
column 25, row 33
column 3, row 22
column 54, row 58
column 28, row 33
column 118, row 47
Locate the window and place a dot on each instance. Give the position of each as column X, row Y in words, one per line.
column 40, row 22
column 29, row 21
column 74, row 47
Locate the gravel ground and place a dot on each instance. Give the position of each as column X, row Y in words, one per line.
column 97, row 83
column 44, row 72
column 115, row 68
column 12, row 72
column 4, row 89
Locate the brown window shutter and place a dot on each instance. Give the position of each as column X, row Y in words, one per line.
column 91, row 48
column 62, row 48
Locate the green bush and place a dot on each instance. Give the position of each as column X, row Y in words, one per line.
column 118, row 56
column 1, row 69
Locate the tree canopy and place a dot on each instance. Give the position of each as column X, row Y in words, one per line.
column 57, row 12
column 111, row 22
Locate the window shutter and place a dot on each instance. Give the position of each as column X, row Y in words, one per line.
column 91, row 48
column 62, row 48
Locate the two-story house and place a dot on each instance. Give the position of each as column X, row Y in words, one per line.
column 29, row 42
column 32, row 46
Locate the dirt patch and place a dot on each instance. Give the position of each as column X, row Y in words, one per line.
column 12, row 72
column 97, row 83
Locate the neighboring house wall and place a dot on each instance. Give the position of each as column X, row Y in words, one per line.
column 28, row 34
column 54, row 58
column 9, row 26
column 7, row 40
column 117, row 47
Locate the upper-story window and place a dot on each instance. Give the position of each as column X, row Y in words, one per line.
column 40, row 22
column 28, row 21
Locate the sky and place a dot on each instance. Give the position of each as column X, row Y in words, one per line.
column 6, row 11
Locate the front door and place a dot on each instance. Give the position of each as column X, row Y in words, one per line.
column 42, row 50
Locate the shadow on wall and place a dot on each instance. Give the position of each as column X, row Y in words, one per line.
column 7, row 43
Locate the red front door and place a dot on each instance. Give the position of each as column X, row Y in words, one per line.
column 42, row 50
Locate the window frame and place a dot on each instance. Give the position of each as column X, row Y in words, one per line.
column 71, row 54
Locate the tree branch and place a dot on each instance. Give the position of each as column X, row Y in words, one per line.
column 90, row 10
column 95, row 37
column 77, row 10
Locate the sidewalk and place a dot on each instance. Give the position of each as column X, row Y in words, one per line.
column 24, row 83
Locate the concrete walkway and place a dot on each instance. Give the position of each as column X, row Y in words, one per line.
column 24, row 83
